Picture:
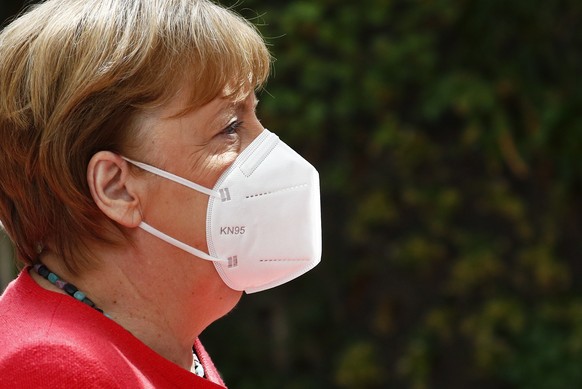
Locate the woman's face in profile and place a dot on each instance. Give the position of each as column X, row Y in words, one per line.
column 199, row 147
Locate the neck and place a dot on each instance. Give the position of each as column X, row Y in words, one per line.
column 159, row 303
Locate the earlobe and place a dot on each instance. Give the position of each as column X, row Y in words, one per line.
column 112, row 188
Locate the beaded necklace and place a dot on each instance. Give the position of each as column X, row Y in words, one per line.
column 71, row 289
column 74, row 292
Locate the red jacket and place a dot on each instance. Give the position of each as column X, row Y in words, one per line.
column 50, row 340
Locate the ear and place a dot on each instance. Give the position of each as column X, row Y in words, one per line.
column 114, row 189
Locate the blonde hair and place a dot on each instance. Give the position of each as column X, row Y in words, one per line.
column 73, row 75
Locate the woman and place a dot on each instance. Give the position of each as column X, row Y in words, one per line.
column 140, row 190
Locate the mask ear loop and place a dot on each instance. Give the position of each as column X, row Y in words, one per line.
column 189, row 184
column 173, row 177
column 174, row 242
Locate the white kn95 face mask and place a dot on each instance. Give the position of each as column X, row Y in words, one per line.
column 263, row 221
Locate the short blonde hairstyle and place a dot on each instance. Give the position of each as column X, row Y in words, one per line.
column 73, row 76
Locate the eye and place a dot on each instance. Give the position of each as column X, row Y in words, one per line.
column 233, row 127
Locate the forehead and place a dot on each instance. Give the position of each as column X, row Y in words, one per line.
column 188, row 98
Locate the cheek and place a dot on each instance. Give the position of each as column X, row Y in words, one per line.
column 179, row 212
column 209, row 171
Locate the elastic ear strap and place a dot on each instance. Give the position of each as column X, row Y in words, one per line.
column 174, row 242
column 173, row 177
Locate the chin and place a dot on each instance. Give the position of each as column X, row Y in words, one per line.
column 230, row 299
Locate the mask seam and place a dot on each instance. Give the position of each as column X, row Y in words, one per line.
column 291, row 188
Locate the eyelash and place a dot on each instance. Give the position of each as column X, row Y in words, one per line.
column 233, row 127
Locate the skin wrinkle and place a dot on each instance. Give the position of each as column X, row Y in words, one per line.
column 225, row 113
column 164, row 326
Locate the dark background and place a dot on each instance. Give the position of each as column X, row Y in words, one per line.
column 449, row 141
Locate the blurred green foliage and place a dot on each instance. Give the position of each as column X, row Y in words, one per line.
column 449, row 144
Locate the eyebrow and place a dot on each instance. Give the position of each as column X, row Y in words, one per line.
column 224, row 110
column 228, row 108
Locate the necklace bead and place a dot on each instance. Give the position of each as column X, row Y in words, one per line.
column 69, row 288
